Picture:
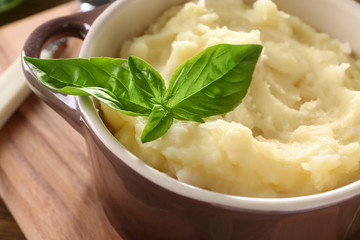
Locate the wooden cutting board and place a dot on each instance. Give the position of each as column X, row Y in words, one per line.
column 45, row 174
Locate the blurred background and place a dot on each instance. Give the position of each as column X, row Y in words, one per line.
column 12, row 10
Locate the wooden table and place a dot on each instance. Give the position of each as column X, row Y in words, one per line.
column 46, row 178
column 45, row 175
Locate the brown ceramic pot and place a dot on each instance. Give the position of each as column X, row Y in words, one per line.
column 143, row 203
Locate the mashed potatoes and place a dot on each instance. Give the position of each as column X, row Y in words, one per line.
column 297, row 131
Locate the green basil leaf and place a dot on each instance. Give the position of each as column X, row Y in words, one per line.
column 159, row 122
column 212, row 82
column 110, row 77
column 6, row 5
column 148, row 81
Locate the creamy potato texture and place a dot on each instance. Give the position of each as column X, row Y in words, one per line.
column 296, row 132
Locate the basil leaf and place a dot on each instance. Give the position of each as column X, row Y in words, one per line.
column 148, row 81
column 107, row 79
column 159, row 122
column 212, row 82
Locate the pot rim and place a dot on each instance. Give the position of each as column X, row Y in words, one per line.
column 281, row 205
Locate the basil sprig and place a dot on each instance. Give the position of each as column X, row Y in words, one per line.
column 212, row 82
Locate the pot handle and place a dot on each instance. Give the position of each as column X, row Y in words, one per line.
column 76, row 25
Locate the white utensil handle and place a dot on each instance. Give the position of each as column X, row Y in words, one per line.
column 13, row 90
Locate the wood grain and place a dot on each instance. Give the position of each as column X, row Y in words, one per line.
column 45, row 175
column 9, row 230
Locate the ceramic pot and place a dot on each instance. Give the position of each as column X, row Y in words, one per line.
column 143, row 203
